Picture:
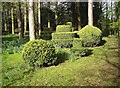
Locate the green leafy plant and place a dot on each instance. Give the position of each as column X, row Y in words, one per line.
column 91, row 36
column 77, row 42
column 14, row 46
column 39, row 53
column 79, row 52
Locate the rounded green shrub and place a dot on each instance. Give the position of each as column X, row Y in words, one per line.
column 64, row 28
column 63, row 35
column 39, row 53
column 91, row 36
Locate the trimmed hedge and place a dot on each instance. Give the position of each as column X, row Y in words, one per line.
column 39, row 53
column 91, row 36
column 77, row 42
column 63, row 43
column 64, row 28
column 63, row 35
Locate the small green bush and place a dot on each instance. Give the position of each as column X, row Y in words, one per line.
column 64, row 28
column 39, row 53
column 79, row 52
column 91, row 36
column 63, row 35
column 77, row 42
column 62, row 54
column 63, row 43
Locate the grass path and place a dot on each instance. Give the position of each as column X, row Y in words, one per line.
column 99, row 69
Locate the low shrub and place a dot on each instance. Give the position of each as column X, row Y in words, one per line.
column 64, row 28
column 77, row 42
column 91, row 36
column 63, row 43
column 62, row 54
column 39, row 53
column 63, row 35
column 79, row 52
column 14, row 46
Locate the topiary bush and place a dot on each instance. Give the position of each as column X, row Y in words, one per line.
column 91, row 36
column 77, row 42
column 64, row 28
column 63, row 43
column 63, row 35
column 39, row 53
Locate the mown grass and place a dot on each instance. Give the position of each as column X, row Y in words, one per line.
column 99, row 69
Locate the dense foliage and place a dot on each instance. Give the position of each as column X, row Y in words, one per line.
column 12, row 46
column 64, row 28
column 77, row 42
column 91, row 36
column 38, row 53
column 79, row 52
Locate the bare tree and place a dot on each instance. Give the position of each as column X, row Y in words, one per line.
column 39, row 17
column 90, row 12
column 48, row 3
column 31, row 21
column 78, row 15
column 56, row 16
column 12, row 17
column 25, row 17
column 19, row 20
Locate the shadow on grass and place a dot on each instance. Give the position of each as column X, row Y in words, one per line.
column 114, row 64
column 90, row 52
column 62, row 57
column 73, row 54
column 102, row 43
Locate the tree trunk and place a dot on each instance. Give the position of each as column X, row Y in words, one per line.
column 107, row 31
column 35, row 12
column 78, row 16
column 119, row 21
column 19, row 19
column 25, row 18
column 90, row 12
column 48, row 14
column 56, row 16
column 39, row 18
column 31, row 21
column 5, row 24
column 74, row 15
column 12, row 17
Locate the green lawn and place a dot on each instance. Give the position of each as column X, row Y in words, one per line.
column 98, row 69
